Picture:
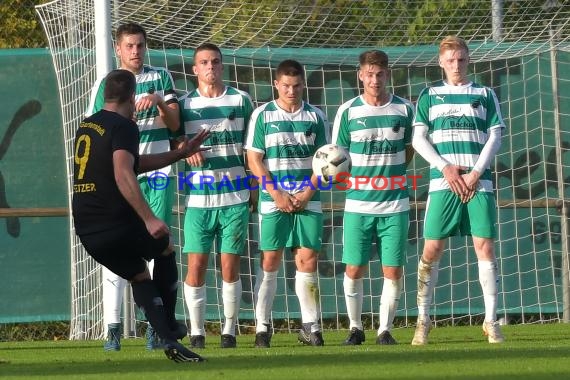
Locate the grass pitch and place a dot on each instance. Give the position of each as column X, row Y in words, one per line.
column 530, row 352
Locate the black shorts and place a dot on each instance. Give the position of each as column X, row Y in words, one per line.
column 124, row 250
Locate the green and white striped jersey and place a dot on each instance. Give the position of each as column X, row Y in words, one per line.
column 154, row 135
column 458, row 119
column 376, row 138
column 222, row 180
column 288, row 142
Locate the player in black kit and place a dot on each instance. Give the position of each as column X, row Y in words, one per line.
column 113, row 221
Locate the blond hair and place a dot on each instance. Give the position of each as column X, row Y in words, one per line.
column 453, row 43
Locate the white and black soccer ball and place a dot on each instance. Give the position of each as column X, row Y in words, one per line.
column 330, row 160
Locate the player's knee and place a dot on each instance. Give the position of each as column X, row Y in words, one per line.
column 271, row 261
column 230, row 275
column 433, row 249
column 355, row 272
column 195, row 278
column 306, row 264
column 230, row 267
column 392, row 273
column 484, row 248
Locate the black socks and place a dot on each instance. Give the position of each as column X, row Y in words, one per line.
column 148, row 299
column 165, row 278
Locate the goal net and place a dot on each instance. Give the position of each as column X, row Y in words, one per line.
column 519, row 48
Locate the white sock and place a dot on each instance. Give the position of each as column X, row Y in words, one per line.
column 196, row 302
column 427, row 279
column 113, row 291
column 353, row 296
column 307, row 290
column 488, row 280
column 264, row 294
column 231, row 296
column 391, row 291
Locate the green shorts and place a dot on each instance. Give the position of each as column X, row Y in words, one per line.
column 280, row 229
column 446, row 216
column 227, row 226
column 391, row 232
column 160, row 200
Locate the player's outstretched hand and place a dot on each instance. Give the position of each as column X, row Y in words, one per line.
column 190, row 147
column 196, row 160
column 146, row 102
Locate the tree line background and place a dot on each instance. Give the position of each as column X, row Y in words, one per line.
column 19, row 25
column 403, row 21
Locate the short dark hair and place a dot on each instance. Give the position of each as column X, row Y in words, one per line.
column 120, row 86
column 207, row 46
column 129, row 29
column 374, row 57
column 290, row 68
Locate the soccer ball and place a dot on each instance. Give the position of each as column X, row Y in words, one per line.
column 330, row 160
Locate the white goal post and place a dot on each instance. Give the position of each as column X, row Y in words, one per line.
column 521, row 49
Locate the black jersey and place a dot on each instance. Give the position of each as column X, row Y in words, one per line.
column 97, row 204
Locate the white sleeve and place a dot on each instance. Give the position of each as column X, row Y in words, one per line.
column 327, row 125
column 489, row 150
column 94, row 90
column 335, row 127
column 425, row 148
